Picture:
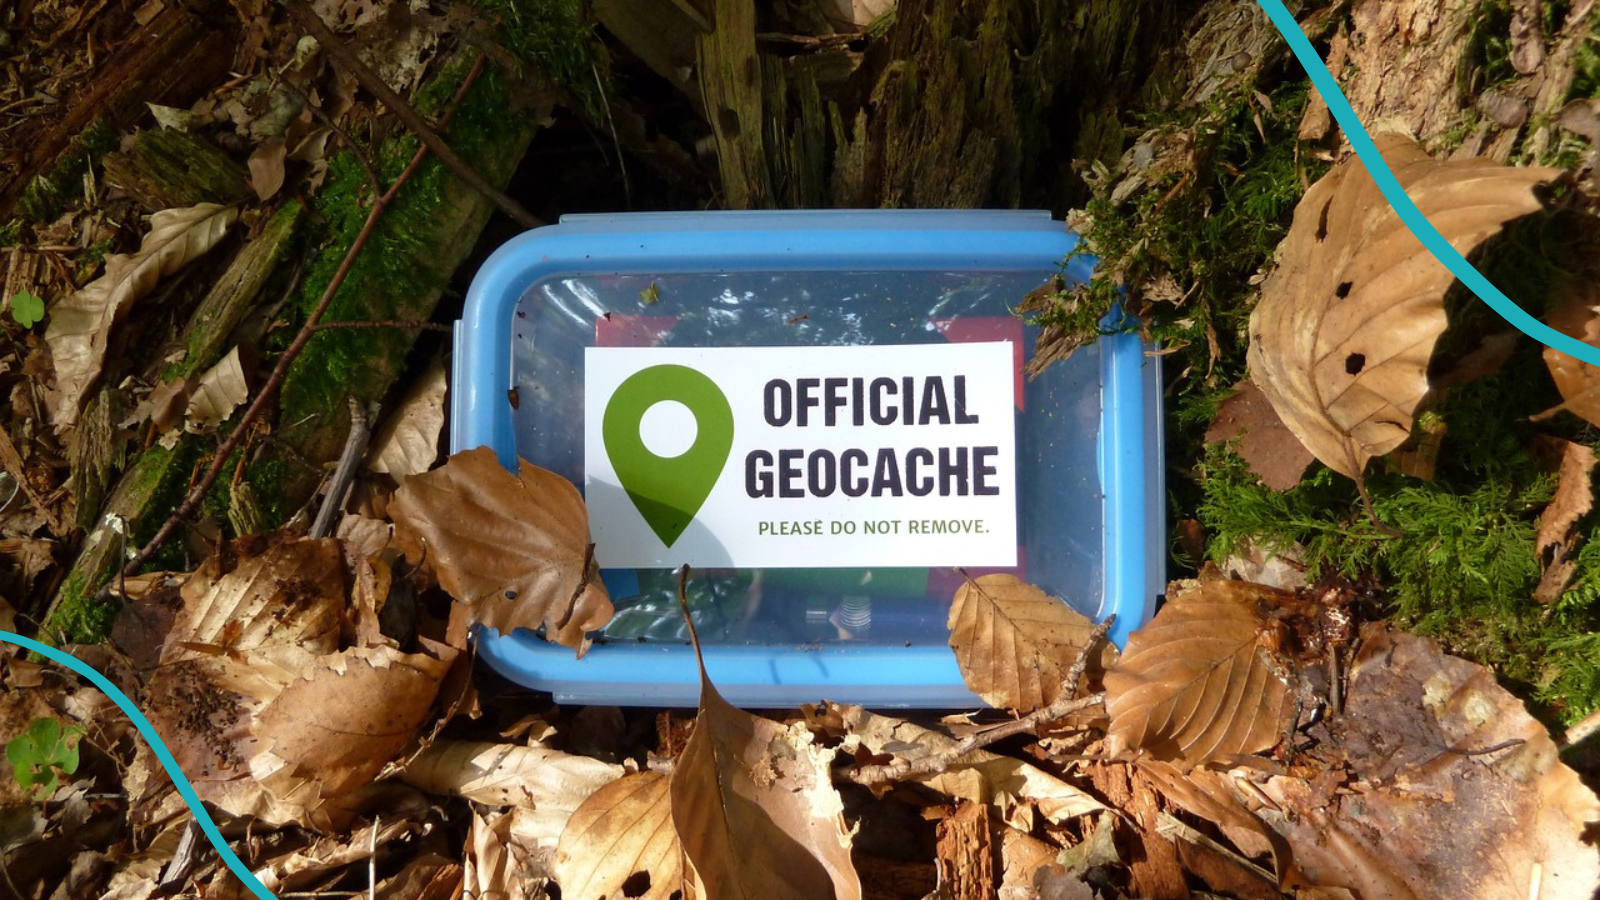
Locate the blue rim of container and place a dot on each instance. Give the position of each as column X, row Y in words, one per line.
column 858, row 240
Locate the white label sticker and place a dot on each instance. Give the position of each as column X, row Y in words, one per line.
column 801, row 457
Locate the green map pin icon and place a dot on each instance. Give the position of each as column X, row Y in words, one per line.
column 668, row 490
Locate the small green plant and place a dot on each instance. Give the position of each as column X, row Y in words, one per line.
column 42, row 753
column 27, row 308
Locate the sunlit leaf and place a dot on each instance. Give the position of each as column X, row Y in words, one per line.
column 513, row 547
column 1196, row 684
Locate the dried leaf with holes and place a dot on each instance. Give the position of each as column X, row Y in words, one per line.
column 80, row 326
column 1013, row 642
column 408, row 441
column 513, row 548
column 1195, row 684
column 754, row 804
column 1342, row 335
column 620, row 843
column 260, row 706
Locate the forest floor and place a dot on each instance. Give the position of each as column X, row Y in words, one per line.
column 233, row 236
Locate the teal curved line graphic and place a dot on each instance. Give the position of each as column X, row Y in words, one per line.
column 185, row 789
column 1397, row 197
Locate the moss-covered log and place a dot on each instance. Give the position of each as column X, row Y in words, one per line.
column 421, row 239
column 164, row 169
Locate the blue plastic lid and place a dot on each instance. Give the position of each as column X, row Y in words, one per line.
column 838, row 372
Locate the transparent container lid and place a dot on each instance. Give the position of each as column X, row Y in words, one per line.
column 1086, row 477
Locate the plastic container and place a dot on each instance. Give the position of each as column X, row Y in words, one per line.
column 815, row 328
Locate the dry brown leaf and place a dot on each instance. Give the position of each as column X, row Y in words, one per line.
column 1458, row 791
column 514, row 548
column 1013, row 642
column 622, row 836
column 1025, row 861
column 1265, row 443
column 1574, row 313
column 266, row 167
column 1342, row 335
column 80, row 325
column 284, row 602
column 331, row 731
column 978, row 775
column 1201, row 793
column 163, row 407
column 364, row 534
column 495, row 868
column 408, row 442
column 217, row 394
column 258, row 704
column 1555, row 540
column 754, row 804
column 1195, row 684
column 550, row 783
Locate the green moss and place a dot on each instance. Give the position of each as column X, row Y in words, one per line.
column 1463, row 566
column 80, row 618
column 268, row 478
column 553, row 38
column 1209, row 231
column 1486, row 60
column 392, row 277
column 1586, row 65
column 48, row 194
column 11, row 233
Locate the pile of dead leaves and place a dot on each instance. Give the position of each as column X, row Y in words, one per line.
column 317, row 692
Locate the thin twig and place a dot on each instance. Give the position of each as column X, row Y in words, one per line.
column 417, row 326
column 308, row 19
column 1065, row 705
column 344, row 475
column 197, row 493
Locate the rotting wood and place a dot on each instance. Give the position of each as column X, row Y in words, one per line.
column 966, row 853
column 238, row 290
column 165, row 169
column 661, row 35
column 171, row 60
column 731, row 85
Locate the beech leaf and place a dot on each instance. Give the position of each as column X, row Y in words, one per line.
column 513, row 548
column 257, row 701
column 1194, row 684
column 408, row 441
column 218, row 393
column 1341, row 338
column 754, row 804
column 80, row 326
column 1271, row 450
column 1013, row 642
column 621, row 842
